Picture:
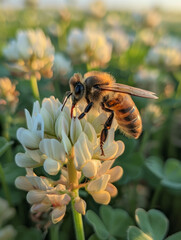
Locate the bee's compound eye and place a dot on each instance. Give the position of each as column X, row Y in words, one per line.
column 79, row 88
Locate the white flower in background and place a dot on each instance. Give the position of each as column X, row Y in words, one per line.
column 89, row 46
column 98, row 8
column 147, row 36
column 166, row 53
column 152, row 116
column 113, row 20
column 152, row 19
column 6, row 231
column 51, row 140
column 119, row 39
column 30, row 53
column 61, row 66
column 147, row 79
column 8, row 95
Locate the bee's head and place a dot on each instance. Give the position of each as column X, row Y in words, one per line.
column 76, row 87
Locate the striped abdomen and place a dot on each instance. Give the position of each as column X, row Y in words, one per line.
column 126, row 114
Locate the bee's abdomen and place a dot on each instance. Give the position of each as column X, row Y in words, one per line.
column 128, row 116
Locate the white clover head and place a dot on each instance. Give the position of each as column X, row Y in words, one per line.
column 8, row 95
column 52, row 140
column 30, row 53
column 89, row 46
column 166, row 53
column 7, row 231
column 62, row 65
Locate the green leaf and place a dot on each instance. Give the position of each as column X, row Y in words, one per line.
column 168, row 175
column 135, row 233
column 154, row 223
column 28, row 233
column 172, row 170
column 132, row 168
column 116, row 221
column 12, row 171
column 97, row 224
column 155, row 165
column 4, row 145
column 93, row 237
column 176, row 236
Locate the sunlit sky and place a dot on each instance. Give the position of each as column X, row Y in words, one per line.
column 114, row 4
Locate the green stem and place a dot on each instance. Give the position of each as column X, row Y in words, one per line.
column 77, row 219
column 73, row 182
column 54, row 232
column 34, row 87
column 6, row 121
column 145, row 138
column 156, row 196
column 5, row 186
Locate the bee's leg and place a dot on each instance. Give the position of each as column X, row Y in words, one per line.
column 107, row 126
column 86, row 110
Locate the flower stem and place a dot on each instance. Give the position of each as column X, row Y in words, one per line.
column 6, row 121
column 77, row 219
column 5, row 186
column 34, row 87
column 73, row 182
column 156, row 196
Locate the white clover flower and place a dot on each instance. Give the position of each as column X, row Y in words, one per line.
column 153, row 19
column 147, row 79
column 89, row 46
column 166, row 53
column 98, row 8
column 119, row 39
column 44, row 196
column 56, row 141
column 6, row 231
column 62, row 66
column 8, row 95
column 152, row 115
column 101, row 187
column 31, row 53
column 147, row 36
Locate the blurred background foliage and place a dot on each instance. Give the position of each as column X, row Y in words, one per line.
column 146, row 53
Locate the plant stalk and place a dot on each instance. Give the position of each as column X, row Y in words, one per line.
column 6, row 121
column 5, row 186
column 34, row 87
column 73, row 182
column 156, row 196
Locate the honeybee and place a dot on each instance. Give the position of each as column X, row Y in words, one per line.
column 100, row 88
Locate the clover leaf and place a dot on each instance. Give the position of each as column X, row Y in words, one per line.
column 153, row 225
column 113, row 223
column 167, row 174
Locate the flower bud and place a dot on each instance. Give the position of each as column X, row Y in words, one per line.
column 40, row 207
column 35, row 196
column 98, row 184
column 23, row 160
column 75, row 129
column 102, row 197
column 27, row 138
column 89, row 169
column 8, row 233
column 58, row 213
column 115, row 173
column 80, row 205
column 22, row 183
column 51, row 166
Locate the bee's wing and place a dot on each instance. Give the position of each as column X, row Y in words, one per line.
column 117, row 87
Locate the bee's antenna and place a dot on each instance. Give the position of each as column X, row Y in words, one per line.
column 65, row 99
